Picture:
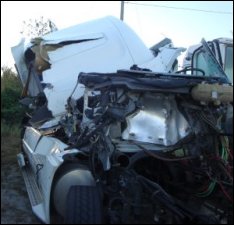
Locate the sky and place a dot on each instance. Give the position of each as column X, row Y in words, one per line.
column 184, row 22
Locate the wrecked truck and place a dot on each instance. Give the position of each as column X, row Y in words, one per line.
column 116, row 134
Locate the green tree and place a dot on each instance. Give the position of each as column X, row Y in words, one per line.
column 11, row 88
column 9, row 79
column 37, row 27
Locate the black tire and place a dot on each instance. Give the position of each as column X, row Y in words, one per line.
column 83, row 205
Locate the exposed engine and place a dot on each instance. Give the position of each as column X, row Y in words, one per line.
column 159, row 153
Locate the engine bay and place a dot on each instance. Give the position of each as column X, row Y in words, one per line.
column 158, row 153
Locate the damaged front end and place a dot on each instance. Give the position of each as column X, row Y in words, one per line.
column 159, row 149
column 132, row 146
column 48, row 65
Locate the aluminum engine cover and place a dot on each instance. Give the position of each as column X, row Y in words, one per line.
column 158, row 121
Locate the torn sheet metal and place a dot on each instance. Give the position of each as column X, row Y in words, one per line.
column 102, row 45
column 18, row 55
column 165, row 60
column 114, row 46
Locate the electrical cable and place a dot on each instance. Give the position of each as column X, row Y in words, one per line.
column 179, row 8
column 225, row 192
column 164, row 158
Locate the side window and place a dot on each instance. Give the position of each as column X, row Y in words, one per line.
column 200, row 63
column 228, row 66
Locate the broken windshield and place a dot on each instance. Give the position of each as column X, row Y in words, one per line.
column 205, row 60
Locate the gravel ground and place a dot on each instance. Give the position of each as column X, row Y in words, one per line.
column 15, row 205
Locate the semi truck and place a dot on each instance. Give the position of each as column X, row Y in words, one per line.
column 116, row 134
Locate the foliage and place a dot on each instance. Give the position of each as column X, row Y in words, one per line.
column 11, row 111
column 37, row 27
column 9, row 79
column 13, row 130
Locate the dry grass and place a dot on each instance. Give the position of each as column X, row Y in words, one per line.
column 10, row 146
column 15, row 205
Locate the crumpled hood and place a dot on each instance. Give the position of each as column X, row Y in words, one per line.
column 102, row 45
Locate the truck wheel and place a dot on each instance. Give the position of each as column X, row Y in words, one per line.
column 83, row 205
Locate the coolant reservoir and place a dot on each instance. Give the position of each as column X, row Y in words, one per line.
column 215, row 93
